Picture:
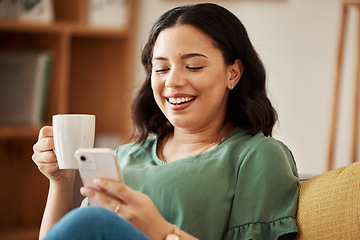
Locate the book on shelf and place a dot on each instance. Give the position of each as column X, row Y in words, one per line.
column 108, row 14
column 40, row 11
column 24, row 84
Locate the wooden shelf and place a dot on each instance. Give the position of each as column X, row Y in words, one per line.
column 81, row 30
column 17, row 26
column 19, row 132
column 92, row 72
column 62, row 28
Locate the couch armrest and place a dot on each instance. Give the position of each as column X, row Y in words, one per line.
column 329, row 205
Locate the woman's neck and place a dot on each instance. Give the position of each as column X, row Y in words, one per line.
column 202, row 136
column 184, row 142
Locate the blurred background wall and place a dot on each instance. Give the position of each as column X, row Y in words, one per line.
column 297, row 41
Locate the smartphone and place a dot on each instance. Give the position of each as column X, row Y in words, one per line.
column 97, row 163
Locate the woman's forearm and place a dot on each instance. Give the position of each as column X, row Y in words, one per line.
column 59, row 202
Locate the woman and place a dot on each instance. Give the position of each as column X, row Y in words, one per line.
column 204, row 165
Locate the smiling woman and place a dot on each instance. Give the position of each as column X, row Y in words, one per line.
column 204, row 164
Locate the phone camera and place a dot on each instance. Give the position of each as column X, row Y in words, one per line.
column 83, row 158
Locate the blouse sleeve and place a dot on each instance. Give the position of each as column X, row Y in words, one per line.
column 266, row 194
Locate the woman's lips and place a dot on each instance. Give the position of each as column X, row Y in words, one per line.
column 180, row 100
column 180, row 103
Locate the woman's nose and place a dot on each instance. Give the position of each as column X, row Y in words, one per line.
column 175, row 79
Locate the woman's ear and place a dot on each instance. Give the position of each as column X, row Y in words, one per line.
column 236, row 71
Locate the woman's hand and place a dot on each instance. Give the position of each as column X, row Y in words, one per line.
column 45, row 158
column 134, row 206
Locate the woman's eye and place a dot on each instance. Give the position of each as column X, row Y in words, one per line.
column 195, row 68
column 161, row 70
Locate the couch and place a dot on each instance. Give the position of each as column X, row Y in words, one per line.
column 329, row 205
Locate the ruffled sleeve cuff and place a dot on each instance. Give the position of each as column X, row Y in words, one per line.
column 284, row 228
column 85, row 202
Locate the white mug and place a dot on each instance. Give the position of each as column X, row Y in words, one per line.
column 72, row 131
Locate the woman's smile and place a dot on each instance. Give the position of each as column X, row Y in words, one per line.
column 178, row 104
column 178, row 101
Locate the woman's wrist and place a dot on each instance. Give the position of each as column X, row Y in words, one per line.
column 62, row 188
column 172, row 232
column 161, row 231
column 175, row 234
column 63, row 183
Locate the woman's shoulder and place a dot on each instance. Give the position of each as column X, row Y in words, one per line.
column 259, row 148
column 266, row 143
column 256, row 142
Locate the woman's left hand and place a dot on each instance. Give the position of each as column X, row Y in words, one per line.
column 136, row 207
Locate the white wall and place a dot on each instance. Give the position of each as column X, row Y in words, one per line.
column 297, row 40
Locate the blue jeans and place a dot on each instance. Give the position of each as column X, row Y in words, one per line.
column 94, row 223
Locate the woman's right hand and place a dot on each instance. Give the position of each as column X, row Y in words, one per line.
column 45, row 158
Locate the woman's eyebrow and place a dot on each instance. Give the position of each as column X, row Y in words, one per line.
column 185, row 56
column 159, row 58
column 190, row 55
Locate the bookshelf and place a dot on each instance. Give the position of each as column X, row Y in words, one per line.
column 92, row 72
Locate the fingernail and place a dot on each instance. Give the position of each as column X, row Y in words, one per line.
column 84, row 191
column 97, row 182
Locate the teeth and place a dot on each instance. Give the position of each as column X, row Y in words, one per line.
column 180, row 100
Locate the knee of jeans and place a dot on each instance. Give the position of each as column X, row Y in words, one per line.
column 84, row 223
column 94, row 223
column 86, row 219
column 88, row 214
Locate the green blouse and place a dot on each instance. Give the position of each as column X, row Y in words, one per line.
column 245, row 188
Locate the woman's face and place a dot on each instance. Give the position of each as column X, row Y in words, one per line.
column 189, row 78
